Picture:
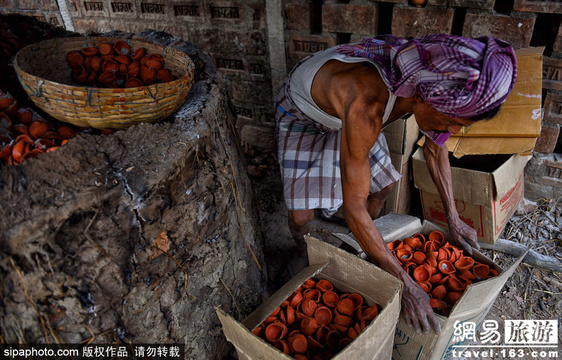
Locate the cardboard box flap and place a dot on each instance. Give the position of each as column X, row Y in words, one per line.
column 507, row 175
column 520, row 115
column 486, row 146
column 344, row 266
column 401, row 135
column 263, row 311
column 482, row 294
column 481, row 183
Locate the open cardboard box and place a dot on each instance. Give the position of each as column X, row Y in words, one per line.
column 515, row 129
column 348, row 273
column 473, row 306
column 487, row 191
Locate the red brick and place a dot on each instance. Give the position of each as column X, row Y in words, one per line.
column 298, row 16
column 517, row 30
column 82, row 26
column 342, row 18
column 553, row 108
column 301, row 46
column 557, row 48
column 549, row 136
column 415, row 22
column 474, row 4
column 543, row 6
column 25, row 4
column 552, row 74
column 50, row 5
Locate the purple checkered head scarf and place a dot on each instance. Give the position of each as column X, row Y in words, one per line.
column 459, row 77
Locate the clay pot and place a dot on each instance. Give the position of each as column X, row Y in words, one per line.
column 138, row 54
column 105, row 49
column 330, row 298
column 436, row 304
column 418, row 257
column 480, row 270
column 409, row 267
column 443, row 254
column 110, row 65
column 133, row 82
column 446, row 267
column 464, row 263
column 420, row 236
column 357, row 300
column 439, row 292
column 89, row 51
column 122, row 59
column 346, row 306
column 466, row 275
column 437, row 236
column 107, row 77
column 371, row 313
column 121, row 48
column 323, row 315
column 444, row 280
column 38, row 128
column 394, row 245
column 74, row 59
column 425, row 286
column 308, row 325
column 296, row 299
column 322, row 285
column 276, row 331
column 421, row 274
column 343, row 320
column 298, row 344
column 308, row 307
column 430, row 246
column 154, row 64
column 313, row 294
column 455, row 284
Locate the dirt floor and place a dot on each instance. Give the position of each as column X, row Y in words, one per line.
column 531, row 293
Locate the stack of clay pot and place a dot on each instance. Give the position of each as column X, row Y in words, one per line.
column 442, row 270
column 316, row 321
column 24, row 134
column 117, row 66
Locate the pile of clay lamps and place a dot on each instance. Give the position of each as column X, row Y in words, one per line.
column 117, row 66
column 442, row 270
column 316, row 321
column 24, row 134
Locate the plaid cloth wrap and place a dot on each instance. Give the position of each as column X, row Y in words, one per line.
column 309, row 157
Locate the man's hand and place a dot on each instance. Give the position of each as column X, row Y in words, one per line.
column 463, row 234
column 416, row 309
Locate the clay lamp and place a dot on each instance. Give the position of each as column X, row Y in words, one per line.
column 323, row 315
column 370, row 313
column 439, row 292
column 110, row 65
column 154, row 64
column 313, row 344
column 344, row 342
column 138, row 54
column 301, row 357
column 330, row 298
column 74, row 59
column 446, row 267
column 309, row 284
column 455, row 284
column 54, row 148
column 421, row 274
column 270, row 319
column 275, row 312
column 107, row 77
column 6, row 152
column 452, row 297
column 164, row 74
column 443, row 254
column 312, row 294
column 418, row 257
column 322, row 285
column 409, row 267
column 466, row 275
column 420, row 236
column 121, row 47
column 23, row 115
column 321, row 333
column 425, row 286
column 6, row 101
column 308, row 325
column 458, row 252
column 480, row 270
column 96, row 63
column 298, row 343
column 430, row 246
column 257, row 331
column 436, row 304
column 282, row 346
column 105, row 49
column 357, row 300
column 133, row 82
column 155, row 57
column 133, row 69
column 404, row 246
column 44, row 144
column 354, row 331
column 282, row 318
column 444, row 280
column 464, row 263
column 299, row 315
column 493, row 273
column 403, row 255
column 168, row 78
column 437, row 236
column 346, row 306
column 91, row 80
column 19, row 150
column 122, row 59
column 123, row 70
column 394, row 245
column 38, row 128
column 446, row 309
column 296, row 299
column 107, row 57
column 276, row 331
column 343, row 320
column 414, row 242
column 289, row 315
column 82, row 77
column 431, row 259
column 21, row 128
column 308, row 307
column 332, row 339
column 89, row 51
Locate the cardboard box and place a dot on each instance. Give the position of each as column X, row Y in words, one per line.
column 401, row 137
column 517, row 126
column 487, row 190
column 348, row 273
column 473, row 306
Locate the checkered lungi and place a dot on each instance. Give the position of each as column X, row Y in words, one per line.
column 309, row 157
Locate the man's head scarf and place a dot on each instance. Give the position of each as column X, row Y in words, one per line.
column 459, row 77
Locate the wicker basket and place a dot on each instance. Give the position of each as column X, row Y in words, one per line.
column 45, row 76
